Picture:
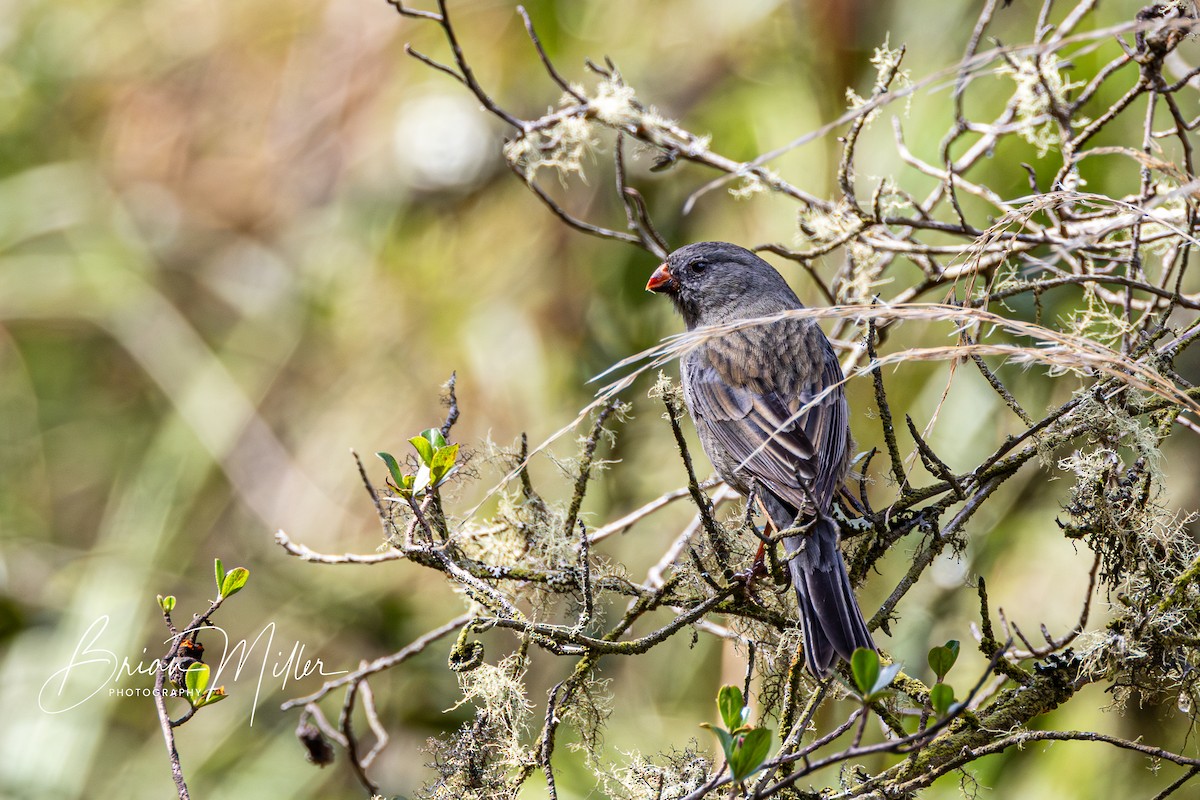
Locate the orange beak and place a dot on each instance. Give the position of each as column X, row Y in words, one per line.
column 662, row 280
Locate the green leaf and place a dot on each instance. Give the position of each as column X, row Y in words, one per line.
column 220, row 570
column 730, row 703
column 443, row 464
column 941, row 659
column 215, row 696
column 724, row 737
column 234, row 581
column 434, row 437
column 167, row 604
column 421, row 482
column 941, row 697
column 864, row 666
column 440, row 479
column 749, row 752
column 424, row 448
column 196, row 680
column 886, row 676
column 393, row 468
column 405, row 487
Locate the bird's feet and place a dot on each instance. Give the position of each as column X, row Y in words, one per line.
column 758, row 569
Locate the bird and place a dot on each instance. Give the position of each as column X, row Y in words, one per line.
column 771, row 415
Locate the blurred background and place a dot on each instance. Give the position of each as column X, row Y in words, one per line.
column 240, row 239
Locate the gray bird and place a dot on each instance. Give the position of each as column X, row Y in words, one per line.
column 745, row 390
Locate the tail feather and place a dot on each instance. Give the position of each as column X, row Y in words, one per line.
column 829, row 614
column 833, row 624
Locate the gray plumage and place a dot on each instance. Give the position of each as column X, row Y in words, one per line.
column 745, row 390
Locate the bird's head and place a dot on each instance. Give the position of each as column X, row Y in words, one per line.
column 714, row 282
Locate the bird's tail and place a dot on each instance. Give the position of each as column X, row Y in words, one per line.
column 833, row 623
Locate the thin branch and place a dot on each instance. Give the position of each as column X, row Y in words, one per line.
column 623, row 524
column 546, row 63
column 716, row 537
column 885, row 413
column 381, row 664
column 304, row 553
column 568, row 219
column 346, row 727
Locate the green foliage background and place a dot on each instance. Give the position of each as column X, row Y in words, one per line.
column 239, row 239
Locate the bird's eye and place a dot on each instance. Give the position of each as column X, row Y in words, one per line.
column 698, row 266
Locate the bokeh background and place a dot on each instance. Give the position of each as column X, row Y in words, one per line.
column 239, row 239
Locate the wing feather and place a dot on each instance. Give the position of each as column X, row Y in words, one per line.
column 778, row 426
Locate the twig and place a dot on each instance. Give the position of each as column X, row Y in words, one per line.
column 626, row 522
column 380, row 664
column 345, row 725
column 885, row 413
column 304, row 553
column 546, row 63
column 716, row 537
column 451, row 401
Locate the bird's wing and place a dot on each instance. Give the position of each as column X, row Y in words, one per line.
column 758, row 413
